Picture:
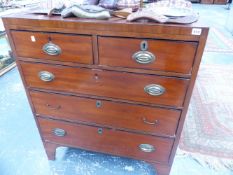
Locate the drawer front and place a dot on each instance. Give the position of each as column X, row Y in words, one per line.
column 170, row 56
column 102, row 112
column 59, row 47
column 126, row 86
column 106, row 140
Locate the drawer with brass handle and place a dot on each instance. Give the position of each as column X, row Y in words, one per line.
column 156, row 121
column 109, row 141
column 52, row 46
column 161, row 55
column 119, row 85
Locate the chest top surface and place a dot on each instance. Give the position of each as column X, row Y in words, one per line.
column 112, row 27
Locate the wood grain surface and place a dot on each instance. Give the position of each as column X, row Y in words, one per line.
column 107, row 113
column 109, row 141
column 74, row 48
column 106, row 83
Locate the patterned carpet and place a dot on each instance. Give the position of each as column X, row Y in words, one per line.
column 208, row 128
column 208, row 131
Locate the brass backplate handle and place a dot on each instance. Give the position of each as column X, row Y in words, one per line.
column 154, row 89
column 144, row 57
column 147, row 148
column 59, row 132
column 52, row 49
column 46, row 76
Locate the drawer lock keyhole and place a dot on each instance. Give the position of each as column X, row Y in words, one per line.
column 100, row 130
column 144, row 45
column 98, row 104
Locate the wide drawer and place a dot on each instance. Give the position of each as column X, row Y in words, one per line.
column 169, row 56
column 51, row 46
column 118, row 115
column 114, row 142
column 119, row 85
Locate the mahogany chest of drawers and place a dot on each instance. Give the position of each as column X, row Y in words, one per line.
column 108, row 86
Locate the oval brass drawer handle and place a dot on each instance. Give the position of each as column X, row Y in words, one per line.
column 144, row 57
column 156, row 122
column 147, row 148
column 51, row 49
column 154, row 89
column 46, row 76
column 59, row 132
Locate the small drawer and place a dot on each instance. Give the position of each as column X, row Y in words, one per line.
column 51, row 46
column 160, row 55
column 157, row 121
column 119, row 85
column 109, row 141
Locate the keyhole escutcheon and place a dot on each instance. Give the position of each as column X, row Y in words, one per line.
column 144, row 45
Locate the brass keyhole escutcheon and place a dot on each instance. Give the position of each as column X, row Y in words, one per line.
column 98, row 104
column 144, row 45
column 100, row 130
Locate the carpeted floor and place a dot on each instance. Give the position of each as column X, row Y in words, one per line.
column 207, row 136
column 208, row 128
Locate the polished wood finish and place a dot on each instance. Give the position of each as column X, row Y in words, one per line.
column 207, row 1
column 109, row 141
column 103, row 70
column 50, row 149
column 74, row 48
column 170, row 56
column 104, row 67
column 106, row 83
column 220, row 1
column 111, row 27
column 109, row 114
